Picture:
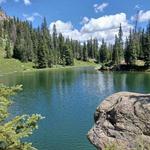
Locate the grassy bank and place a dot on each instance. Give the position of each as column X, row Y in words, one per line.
column 8, row 66
column 12, row 65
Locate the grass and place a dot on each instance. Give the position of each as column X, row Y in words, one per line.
column 79, row 63
column 12, row 65
column 140, row 63
column 8, row 66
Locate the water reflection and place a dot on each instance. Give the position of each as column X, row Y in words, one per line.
column 68, row 98
column 133, row 82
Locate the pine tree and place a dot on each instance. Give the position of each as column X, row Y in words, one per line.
column 42, row 61
column 103, row 53
column 116, row 51
column 19, row 51
column 1, row 34
column 13, row 131
column 68, row 57
column 54, row 37
column 85, row 54
column 8, row 49
column 131, row 51
column 28, row 42
column 127, row 52
column 90, row 48
column 146, row 46
column 120, row 44
column 61, row 42
column 47, row 43
column 118, row 54
column 46, row 49
column 141, row 41
column 95, row 48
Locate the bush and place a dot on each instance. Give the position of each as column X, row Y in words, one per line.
column 12, row 131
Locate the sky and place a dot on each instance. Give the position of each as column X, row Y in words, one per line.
column 82, row 19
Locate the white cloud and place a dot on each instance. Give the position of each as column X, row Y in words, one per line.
column 142, row 16
column 2, row 1
column 100, row 7
column 27, row 2
column 84, row 20
column 66, row 28
column 32, row 17
column 61, row 26
column 104, row 27
column 105, row 23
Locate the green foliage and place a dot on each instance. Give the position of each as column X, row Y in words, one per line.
column 46, row 49
column 42, row 53
column 118, row 54
column 111, row 147
column 85, row 54
column 38, row 45
column 13, row 131
column 115, row 146
column 8, row 49
column 146, row 46
column 68, row 58
column 131, row 49
column 103, row 53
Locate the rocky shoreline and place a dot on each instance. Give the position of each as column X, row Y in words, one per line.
column 123, row 67
column 122, row 121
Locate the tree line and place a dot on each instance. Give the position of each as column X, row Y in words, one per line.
column 135, row 47
column 24, row 42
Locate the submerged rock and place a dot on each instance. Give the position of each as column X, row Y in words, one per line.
column 122, row 121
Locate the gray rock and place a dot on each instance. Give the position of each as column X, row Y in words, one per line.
column 123, row 121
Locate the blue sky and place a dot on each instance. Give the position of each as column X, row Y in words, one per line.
column 84, row 19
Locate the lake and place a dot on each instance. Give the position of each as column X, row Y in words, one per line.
column 68, row 99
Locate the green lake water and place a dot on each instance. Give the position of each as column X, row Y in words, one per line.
column 68, row 99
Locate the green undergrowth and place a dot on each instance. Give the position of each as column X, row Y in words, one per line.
column 8, row 66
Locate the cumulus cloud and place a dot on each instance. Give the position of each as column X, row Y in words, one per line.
column 84, row 20
column 105, row 23
column 104, row 27
column 67, row 29
column 32, row 17
column 61, row 26
column 100, row 7
column 143, row 16
column 27, row 2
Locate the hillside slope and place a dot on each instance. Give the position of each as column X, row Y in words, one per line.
column 12, row 65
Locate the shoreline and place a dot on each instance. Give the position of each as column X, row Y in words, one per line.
column 124, row 68
column 11, row 66
column 48, row 69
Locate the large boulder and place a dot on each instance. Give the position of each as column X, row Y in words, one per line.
column 122, row 121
